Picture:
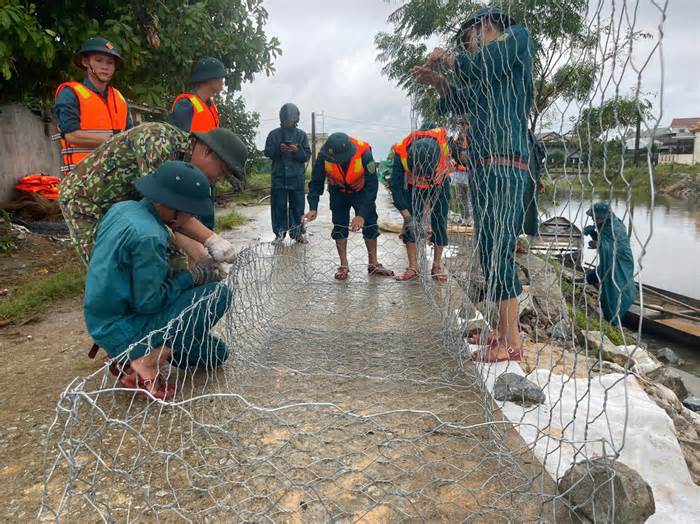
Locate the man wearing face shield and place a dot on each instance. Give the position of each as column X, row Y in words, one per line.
column 288, row 148
column 491, row 85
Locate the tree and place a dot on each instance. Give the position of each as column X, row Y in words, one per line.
column 159, row 39
column 565, row 61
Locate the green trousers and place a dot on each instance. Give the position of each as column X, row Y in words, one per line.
column 497, row 200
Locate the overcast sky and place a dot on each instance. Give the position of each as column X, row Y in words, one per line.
column 329, row 65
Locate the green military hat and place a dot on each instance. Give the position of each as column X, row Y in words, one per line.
column 97, row 44
column 207, row 68
column 599, row 211
column 229, row 148
column 486, row 12
column 338, row 148
column 424, row 156
column 180, row 186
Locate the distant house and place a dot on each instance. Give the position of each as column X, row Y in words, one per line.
column 562, row 150
column 679, row 143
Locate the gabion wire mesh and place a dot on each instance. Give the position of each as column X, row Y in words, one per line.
column 359, row 400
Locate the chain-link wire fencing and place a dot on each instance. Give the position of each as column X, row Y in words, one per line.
column 372, row 399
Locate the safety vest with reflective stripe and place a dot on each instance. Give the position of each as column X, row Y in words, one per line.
column 97, row 115
column 205, row 117
column 438, row 177
column 353, row 180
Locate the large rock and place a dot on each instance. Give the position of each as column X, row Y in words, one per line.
column 692, row 403
column 606, row 491
column 669, row 356
column 518, row 389
column 544, row 288
column 671, row 380
column 562, row 330
column 645, row 362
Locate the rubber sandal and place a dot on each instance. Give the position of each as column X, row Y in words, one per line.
column 379, row 270
column 475, row 337
column 438, row 275
column 513, row 356
column 163, row 391
column 117, row 369
column 409, row 275
column 301, row 240
column 342, row 273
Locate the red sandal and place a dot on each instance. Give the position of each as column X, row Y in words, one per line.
column 475, row 337
column 144, row 386
column 484, row 357
column 379, row 270
column 342, row 273
column 409, row 275
column 438, row 274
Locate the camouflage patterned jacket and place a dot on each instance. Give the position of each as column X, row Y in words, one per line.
column 106, row 177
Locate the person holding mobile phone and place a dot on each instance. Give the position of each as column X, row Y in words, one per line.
column 288, row 148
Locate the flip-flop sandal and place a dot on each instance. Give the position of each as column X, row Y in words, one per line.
column 342, row 273
column 409, row 275
column 118, row 369
column 379, row 270
column 301, row 240
column 438, row 274
column 475, row 337
column 513, row 356
column 163, row 391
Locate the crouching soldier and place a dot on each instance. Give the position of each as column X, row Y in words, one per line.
column 352, row 183
column 133, row 308
column 420, row 179
column 108, row 177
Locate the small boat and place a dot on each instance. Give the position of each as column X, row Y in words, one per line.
column 561, row 239
column 667, row 314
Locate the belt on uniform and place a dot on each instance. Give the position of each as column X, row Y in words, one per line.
column 505, row 161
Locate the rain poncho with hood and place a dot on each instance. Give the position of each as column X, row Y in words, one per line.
column 615, row 271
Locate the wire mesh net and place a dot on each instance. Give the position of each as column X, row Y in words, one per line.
column 373, row 399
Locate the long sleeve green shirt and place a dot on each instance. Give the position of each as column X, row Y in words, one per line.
column 493, row 88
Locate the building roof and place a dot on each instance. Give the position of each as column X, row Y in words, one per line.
column 685, row 123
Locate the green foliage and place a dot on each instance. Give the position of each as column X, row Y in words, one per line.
column 228, row 221
column 23, row 39
column 159, row 39
column 38, row 295
column 562, row 68
column 617, row 115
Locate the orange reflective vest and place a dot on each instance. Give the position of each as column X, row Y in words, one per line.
column 205, row 117
column 97, row 115
column 353, row 179
column 443, row 167
column 44, row 185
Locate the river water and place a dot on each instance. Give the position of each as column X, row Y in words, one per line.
column 665, row 242
column 665, row 238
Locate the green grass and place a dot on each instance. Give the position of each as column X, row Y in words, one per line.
column 228, row 221
column 257, row 186
column 583, row 324
column 38, row 295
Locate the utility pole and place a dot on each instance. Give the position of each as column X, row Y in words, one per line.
column 636, row 165
column 313, row 138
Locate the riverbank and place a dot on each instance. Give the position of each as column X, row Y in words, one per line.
column 678, row 181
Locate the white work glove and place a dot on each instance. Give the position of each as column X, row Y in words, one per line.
column 221, row 250
column 224, row 269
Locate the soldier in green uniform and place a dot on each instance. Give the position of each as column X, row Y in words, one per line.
column 348, row 165
column 107, row 177
column 491, row 84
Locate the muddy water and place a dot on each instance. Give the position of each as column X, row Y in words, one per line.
column 666, row 238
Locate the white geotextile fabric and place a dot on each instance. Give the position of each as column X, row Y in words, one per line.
column 650, row 447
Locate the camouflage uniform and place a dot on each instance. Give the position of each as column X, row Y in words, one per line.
column 107, row 175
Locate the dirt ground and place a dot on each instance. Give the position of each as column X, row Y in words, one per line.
column 363, row 418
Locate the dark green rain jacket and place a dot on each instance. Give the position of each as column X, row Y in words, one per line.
column 615, row 271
